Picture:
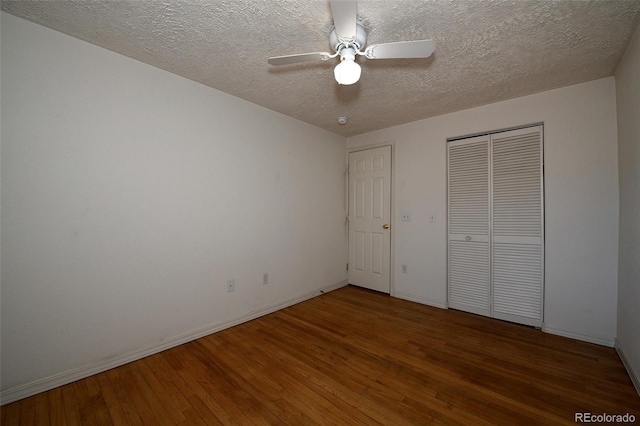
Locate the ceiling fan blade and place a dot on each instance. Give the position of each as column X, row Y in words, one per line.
column 344, row 17
column 296, row 59
column 401, row 49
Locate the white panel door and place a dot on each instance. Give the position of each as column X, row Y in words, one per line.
column 370, row 218
column 468, row 197
column 517, row 214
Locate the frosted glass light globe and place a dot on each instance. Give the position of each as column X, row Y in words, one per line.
column 347, row 71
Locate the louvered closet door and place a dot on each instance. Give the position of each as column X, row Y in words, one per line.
column 517, row 224
column 469, row 225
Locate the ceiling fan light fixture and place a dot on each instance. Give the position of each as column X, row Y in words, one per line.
column 348, row 38
column 347, row 71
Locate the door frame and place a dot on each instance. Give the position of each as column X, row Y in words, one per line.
column 392, row 263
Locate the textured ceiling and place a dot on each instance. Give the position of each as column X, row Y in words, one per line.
column 486, row 51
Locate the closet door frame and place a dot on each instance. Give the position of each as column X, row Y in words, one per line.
column 537, row 322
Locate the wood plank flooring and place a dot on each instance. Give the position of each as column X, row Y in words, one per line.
column 351, row 356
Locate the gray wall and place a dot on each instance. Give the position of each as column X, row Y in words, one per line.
column 581, row 201
column 130, row 195
column 628, row 100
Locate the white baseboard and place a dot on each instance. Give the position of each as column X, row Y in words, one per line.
column 627, row 365
column 422, row 300
column 585, row 337
column 23, row 391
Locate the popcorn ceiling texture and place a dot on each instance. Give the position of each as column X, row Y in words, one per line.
column 486, row 51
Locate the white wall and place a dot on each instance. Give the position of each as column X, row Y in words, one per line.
column 129, row 197
column 628, row 100
column 581, row 195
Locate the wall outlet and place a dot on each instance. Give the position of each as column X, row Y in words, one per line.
column 406, row 216
column 265, row 278
column 230, row 286
column 404, row 269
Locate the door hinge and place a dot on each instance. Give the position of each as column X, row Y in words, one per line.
column 347, row 266
column 347, row 218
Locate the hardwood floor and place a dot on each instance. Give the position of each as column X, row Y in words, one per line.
column 350, row 357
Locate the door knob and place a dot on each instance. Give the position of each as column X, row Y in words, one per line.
column 385, row 226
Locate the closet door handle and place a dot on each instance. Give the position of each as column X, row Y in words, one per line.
column 468, row 238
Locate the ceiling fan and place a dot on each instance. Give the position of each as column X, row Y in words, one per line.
column 348, row 39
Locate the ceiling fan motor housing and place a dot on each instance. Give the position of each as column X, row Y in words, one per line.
column 360, row 39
